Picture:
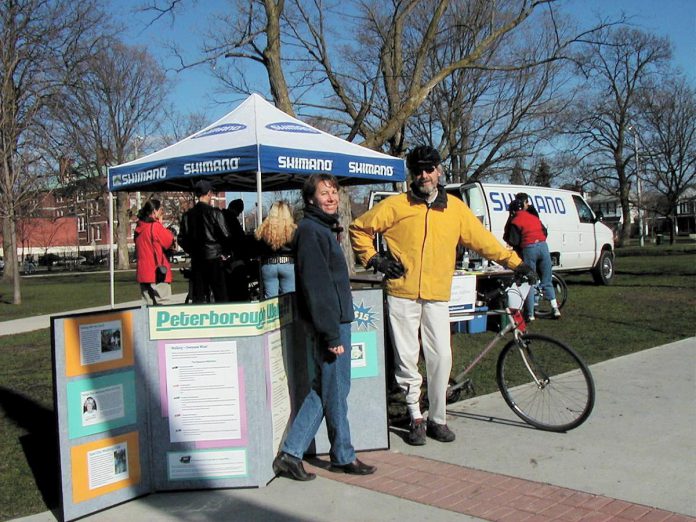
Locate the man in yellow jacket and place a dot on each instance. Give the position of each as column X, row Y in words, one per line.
column 422, row 229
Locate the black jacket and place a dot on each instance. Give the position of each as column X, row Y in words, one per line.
column 321, row 275
column 203, row 233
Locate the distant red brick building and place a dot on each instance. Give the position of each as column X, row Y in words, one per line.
column 73, row 219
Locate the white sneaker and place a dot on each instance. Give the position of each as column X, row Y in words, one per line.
column 530, row 318
column 556, row 313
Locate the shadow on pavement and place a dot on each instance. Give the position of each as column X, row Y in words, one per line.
column 39, row 444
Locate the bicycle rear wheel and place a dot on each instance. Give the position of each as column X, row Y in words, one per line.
column 542, row 307
column 545, row 383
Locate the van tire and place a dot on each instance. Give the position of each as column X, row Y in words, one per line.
column 603, row 272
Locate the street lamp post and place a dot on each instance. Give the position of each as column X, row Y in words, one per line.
column 638, row 188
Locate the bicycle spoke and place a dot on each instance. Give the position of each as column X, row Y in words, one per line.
column 546, row 384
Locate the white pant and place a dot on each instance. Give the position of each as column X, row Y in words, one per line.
column 406, row 316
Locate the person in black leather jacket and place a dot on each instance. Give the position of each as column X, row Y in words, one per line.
column 204, row 236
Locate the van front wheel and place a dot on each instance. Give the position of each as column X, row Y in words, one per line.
column 603, row 272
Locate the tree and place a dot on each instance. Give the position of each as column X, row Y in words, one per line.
column 517, row 174
column 668, row 132
column 616, row 64
column 41, row 43
column 369, row 67
column 489, row 117
column 542, row 177
column 116, row 95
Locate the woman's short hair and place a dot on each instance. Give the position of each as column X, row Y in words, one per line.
column 278, row 227
column 148, row 208
column 310, row 186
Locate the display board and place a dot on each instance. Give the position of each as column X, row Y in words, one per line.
column 367, row 404
column 101, row 406
column 194, row 396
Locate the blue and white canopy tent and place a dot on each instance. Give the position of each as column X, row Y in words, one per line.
column 255, row 147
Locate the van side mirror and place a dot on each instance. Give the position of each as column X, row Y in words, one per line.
column 599, row 216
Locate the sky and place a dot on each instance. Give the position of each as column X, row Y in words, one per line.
column 194, row 88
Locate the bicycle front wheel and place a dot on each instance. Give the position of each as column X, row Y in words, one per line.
column 545, row 383
column 543, row 306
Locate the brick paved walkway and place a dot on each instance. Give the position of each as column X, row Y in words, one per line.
column 489, row 496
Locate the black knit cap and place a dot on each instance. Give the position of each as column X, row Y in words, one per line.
column 423, row 156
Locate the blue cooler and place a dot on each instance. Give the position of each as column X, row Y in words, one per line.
column 479, row 322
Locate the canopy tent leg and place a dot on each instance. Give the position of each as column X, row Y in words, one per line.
column 111, row 248
column 259, row 199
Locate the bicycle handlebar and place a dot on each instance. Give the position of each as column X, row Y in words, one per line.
column 503, row 286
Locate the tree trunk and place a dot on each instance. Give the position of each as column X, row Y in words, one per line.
column 11, row 258
column 625, row 234
column 7, row 275
column 122, row 230
column 346, row 217
column 673, row 229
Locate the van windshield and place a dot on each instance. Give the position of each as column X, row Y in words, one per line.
column 477, row 203
column 584, row 211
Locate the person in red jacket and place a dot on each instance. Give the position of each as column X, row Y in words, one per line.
column 530, row 242
column 152, row 240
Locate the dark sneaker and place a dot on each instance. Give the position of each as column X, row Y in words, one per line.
column 440, row 432
column 416, row 434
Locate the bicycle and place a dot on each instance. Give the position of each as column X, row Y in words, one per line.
column 542, row 306
column 544, row 381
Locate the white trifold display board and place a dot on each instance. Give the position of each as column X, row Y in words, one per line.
column 194, row 396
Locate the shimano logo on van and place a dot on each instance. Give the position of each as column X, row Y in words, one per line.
column 221, row 129
column 289, row 126
column 544, row 204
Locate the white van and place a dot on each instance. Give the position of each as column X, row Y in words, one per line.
column 578, row 240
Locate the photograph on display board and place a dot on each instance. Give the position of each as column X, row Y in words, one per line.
column 98, row 404
column 98, row 343
column 363, row 355
column 104, row 466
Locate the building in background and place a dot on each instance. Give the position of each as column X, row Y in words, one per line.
column 72, row 220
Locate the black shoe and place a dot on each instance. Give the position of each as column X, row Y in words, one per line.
column 286, row 464
column 354, row 468
column 416, row 434
column 440, row 432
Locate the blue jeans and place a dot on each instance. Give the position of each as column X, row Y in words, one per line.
column 277, row 278
column 538, row 257
column 328, row 398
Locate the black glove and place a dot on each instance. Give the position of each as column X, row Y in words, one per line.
column 390, row 267
column 524, row 272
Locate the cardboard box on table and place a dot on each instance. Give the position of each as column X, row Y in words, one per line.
column 194, row 396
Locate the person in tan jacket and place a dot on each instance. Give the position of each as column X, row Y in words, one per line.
column 422, row 229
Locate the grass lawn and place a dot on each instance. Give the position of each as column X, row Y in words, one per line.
column 652, row 302
column 60, row 292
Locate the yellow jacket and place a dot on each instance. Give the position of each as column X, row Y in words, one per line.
column 424, row 239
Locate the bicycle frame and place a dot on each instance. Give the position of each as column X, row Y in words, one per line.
column 516, row 325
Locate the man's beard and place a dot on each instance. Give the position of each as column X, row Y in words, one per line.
column 426, row 191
